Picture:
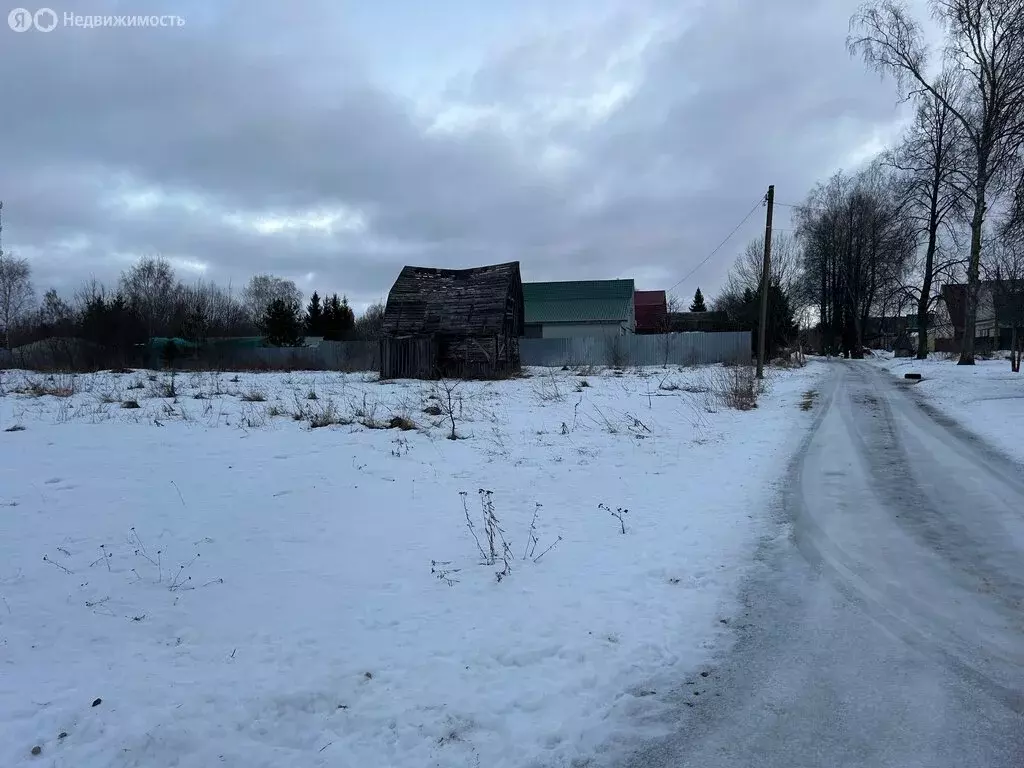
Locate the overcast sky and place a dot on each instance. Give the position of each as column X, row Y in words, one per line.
column 336, row 143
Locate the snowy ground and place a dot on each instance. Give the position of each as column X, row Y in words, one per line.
column 987, row 398
column 234, row 587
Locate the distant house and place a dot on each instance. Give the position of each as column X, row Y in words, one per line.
column 462, row 323
column 578, row 308
column 883, row 332
column 651, row 309
column 994, row 318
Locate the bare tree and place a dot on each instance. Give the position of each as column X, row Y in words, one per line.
column 194, row 310
column 369, row 326
column 263, row 289
column 150, row 286
column 87, row 293
column 857, row 245
column 1005, row 268
column 786, row 265
column 931, row 159
column 16, row 292
column 228, row 316
column 54, row 311
column 1015, row 221
column 985, row 52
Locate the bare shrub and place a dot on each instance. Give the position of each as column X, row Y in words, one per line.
column 366, row 413
column 619, row 514
column 254, row 395
column 495, row 549
column 615, row 352
column 547, row 388
column 51, row 386
column 324, row 414
column 449, row 402
column 168, row 388
column 442, row 571
column 252, row 417
column 737, row 387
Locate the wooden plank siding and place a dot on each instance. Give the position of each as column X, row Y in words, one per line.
column 451, row 323
column 408, row 358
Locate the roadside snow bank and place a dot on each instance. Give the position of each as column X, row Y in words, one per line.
column 986, row 398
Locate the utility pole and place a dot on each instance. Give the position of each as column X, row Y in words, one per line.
column 765, row 282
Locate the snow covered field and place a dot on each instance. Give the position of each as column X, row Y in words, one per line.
column 987, row 398
column 206, row 579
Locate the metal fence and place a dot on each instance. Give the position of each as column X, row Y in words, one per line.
column 659, row 349
column 665, row 349
column 326, row 356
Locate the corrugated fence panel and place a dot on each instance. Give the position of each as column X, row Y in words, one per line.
column 665, row 349
column 659, row 349
column 327, row 355
column 349, row 355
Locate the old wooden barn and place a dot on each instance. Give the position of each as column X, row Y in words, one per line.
column 453, row 323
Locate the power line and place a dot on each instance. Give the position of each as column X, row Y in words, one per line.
column 718, row 247
column 805, row 206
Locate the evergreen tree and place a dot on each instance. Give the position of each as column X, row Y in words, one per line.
column 698, row 305
column 781, row 327
column 282, row 324
column 315, row 316
column 339, row 319
column 113, row 324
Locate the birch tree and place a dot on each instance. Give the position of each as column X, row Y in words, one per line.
column 264, row 289
column 150, row 287
column 931, row 159
column 984, row 49
column 16, row 293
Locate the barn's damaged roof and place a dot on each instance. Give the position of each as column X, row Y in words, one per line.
column 459, row 302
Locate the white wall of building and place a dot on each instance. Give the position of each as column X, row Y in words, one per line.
column 573, row 330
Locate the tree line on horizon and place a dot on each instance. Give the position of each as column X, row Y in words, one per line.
column 149, row 301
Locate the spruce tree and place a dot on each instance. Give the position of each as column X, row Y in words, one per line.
column 781, row 328
column 315, row 316
column 282, row 324
column 698, row 305
column 339, row 320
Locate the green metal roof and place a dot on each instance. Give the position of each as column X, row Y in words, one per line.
column 579, row 301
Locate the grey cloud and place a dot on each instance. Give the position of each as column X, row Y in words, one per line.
column 263, row 115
